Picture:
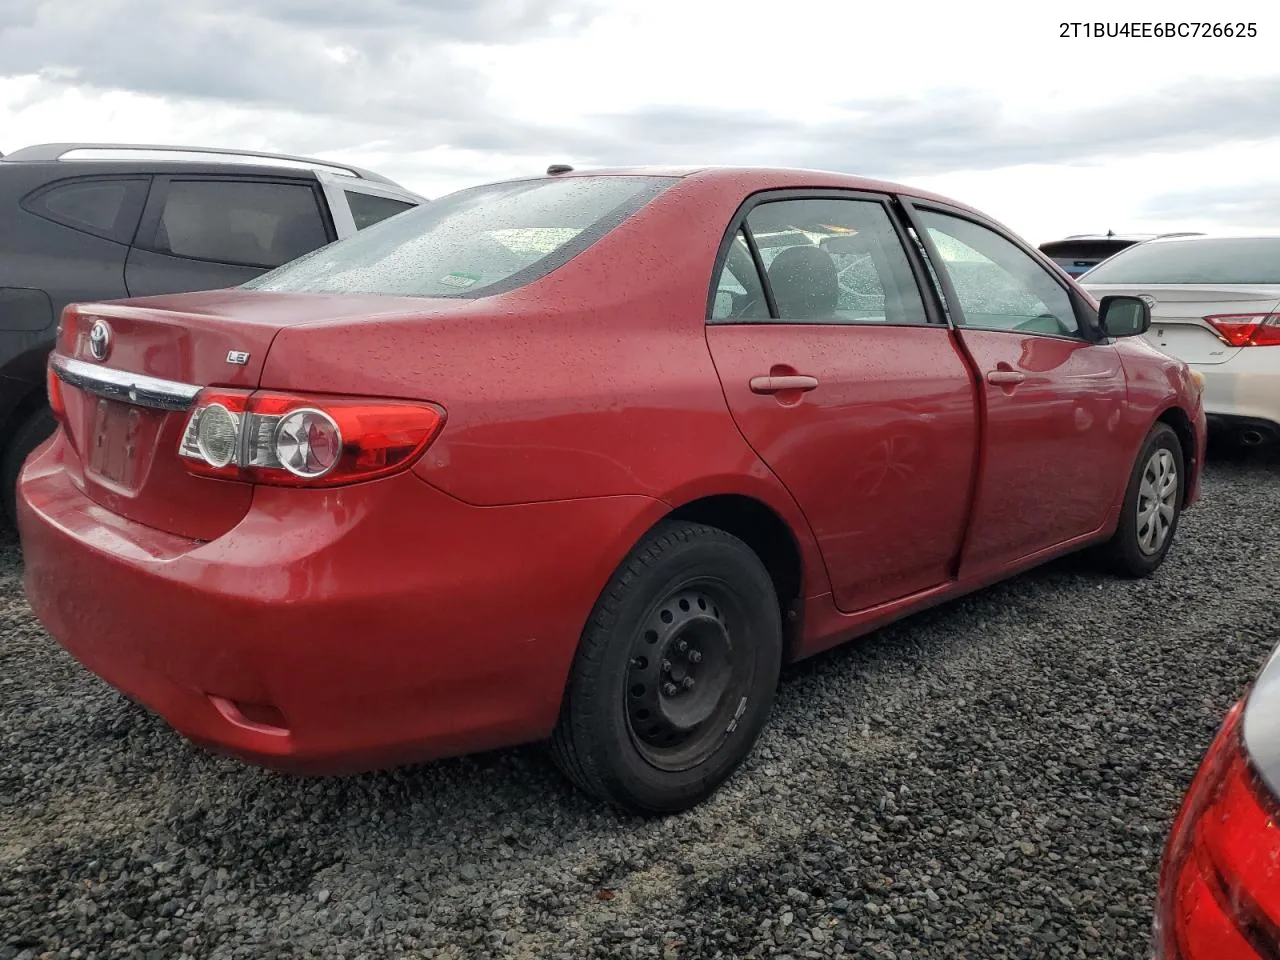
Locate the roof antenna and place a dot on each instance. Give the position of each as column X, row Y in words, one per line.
column 1111, row 233
column 558, row 168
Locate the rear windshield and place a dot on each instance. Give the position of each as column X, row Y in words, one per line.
column 1094, row 250
column 1244, row 260
column 476, row 242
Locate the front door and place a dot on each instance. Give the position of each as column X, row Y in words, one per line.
column 844, row 385
column 1055, row 450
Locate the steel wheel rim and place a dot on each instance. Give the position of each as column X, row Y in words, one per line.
column 1157, row 506
column 687, row 676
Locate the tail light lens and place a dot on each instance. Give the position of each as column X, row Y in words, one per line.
column 1247, row 329
column 1220, row 882
column 53, row 387
column 287, row 440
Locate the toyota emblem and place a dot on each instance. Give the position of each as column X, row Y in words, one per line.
column 99, row 340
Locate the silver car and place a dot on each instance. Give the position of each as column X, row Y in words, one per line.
column 1215, row 303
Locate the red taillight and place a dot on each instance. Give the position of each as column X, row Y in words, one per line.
column 1220, row 883
column 53, row 387
column 295, row 441
column 1247, row 329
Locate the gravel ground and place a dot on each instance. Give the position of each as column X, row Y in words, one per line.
column 989, row 779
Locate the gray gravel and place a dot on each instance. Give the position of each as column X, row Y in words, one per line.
column 989, row 779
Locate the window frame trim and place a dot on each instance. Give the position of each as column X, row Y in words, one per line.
column 1086, row 316
column 933, row 315
column 148, row 227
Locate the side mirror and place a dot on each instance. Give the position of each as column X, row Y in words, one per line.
column 1124, row 316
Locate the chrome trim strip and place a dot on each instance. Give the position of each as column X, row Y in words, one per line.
column 136, row 388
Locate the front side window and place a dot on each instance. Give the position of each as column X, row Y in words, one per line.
column 835, row 261
column 253, row 223
column 998, row 286
column 1244, row 260
column 476, row 242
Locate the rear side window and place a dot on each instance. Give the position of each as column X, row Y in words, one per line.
column 253, row 223
column 1237, row 260
column 476, row 242
column 104, row 208
column 829, row 260
column 368, row 209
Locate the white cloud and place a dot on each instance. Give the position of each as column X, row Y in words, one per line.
column 983, row 102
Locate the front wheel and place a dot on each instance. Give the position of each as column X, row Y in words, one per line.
column 1152, row 506
column 675, row 674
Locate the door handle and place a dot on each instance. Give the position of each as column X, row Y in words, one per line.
column 780, row 384
column 1005, row 377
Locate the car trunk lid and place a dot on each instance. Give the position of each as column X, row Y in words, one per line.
column 127, row 402
column 1178, row 312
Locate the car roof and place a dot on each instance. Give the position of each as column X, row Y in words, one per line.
column 1213, row 237
column 1119, row 237
column 753, row 179
column 168, row 158
column 1126, row 238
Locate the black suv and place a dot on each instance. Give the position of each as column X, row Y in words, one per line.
column 105, row 221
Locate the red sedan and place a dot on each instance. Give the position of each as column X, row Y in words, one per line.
column 584, row 457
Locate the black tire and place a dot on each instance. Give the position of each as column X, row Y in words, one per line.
column 623, row 735
column 32, row 432
column 1129, row 553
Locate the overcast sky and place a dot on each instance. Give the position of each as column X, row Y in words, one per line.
column 981, row 101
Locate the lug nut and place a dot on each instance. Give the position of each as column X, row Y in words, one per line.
column 666, row 666
column 682, row 645
column 670, row 689
column 695, row 656
column 688, row 683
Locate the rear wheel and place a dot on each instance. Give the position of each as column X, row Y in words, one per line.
column 1152, row 507
column 32, row 432
column 675, row 675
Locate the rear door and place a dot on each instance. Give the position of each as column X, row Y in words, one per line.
column 848, row 386
column 204, row 233
column 60, row 242
column 1056, row 452
column 70, row 238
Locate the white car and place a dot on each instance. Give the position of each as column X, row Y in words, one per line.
column 1215, row 303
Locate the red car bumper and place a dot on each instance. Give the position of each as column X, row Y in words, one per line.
column 329, row 631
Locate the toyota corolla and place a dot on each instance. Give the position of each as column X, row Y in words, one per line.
column 584, row 457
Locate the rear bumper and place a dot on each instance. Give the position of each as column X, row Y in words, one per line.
column 1244, row 388
column 331, row 631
